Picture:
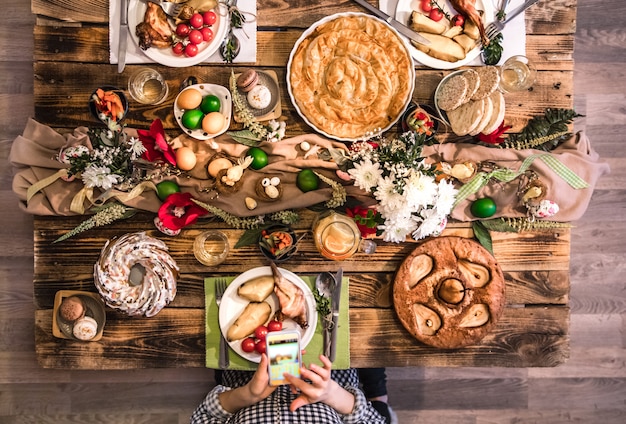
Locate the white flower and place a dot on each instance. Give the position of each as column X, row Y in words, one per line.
column 446, row 196
column 136, row 148
column 397, row 228
column 99, row 176
column 366, row 174
column 277, row 131
column 420, row 190
column 429, row 223
column 388, row 197
column 72, row 152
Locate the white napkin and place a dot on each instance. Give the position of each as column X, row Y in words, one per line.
column 514, row 42
column 134, row 54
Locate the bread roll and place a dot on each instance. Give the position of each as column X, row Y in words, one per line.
column 422, row 23
column 440, row 47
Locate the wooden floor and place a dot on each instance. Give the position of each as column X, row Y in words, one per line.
column 589, row 388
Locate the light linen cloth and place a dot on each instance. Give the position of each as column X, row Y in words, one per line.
column 134, row 54
column 514, row 33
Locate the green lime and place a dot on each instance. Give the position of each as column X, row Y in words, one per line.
column 210, row 103
column 259, row 158
column 483, row 208
column 165, row 188
column 307, row 180
column 192, row 119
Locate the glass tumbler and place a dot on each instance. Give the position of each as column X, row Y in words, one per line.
column 148, row 86
column 517, row 73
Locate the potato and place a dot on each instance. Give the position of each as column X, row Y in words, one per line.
column 453, row 31
column 471, row 30
column 254, row 314
column 465, row 41
column 257, row 289
column 422, row 23
column 441, row 47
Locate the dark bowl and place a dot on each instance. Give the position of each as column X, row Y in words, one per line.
column 120, row 93
column 269, row 239
column 429, row 110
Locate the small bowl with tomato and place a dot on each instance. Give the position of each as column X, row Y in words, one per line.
column 108, row 103
column 278, row 243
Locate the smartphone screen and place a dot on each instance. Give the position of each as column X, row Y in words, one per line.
column 283, row 352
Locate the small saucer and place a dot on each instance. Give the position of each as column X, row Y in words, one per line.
column 273, row 110
column 94, row 308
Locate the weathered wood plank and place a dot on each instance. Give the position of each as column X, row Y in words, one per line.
column 175, row 338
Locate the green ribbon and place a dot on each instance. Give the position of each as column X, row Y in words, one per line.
column 506, row 175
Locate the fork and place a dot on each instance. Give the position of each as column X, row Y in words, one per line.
column 496, row 27
column 171, row 9
column 220, row 288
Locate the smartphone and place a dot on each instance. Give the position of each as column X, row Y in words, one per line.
column 283, row 353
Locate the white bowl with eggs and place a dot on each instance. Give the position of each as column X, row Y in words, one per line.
column 188, row 97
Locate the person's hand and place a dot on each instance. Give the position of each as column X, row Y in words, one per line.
column 321, row 389
column 259, row 384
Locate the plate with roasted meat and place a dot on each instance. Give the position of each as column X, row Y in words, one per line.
column 261, row 295
column 455, row 28
column 155, row 33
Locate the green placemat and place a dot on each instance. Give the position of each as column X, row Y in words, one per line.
column 314, row 348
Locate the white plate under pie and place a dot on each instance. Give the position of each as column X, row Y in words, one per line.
column 366, row 134
column 404, row 9
column 232, row 306
column 165, row 56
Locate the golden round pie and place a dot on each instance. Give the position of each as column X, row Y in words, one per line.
column 449, row 292
column 350, row 75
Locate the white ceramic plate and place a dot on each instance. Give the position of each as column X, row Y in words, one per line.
column 308, row 32
column 403, row 13
column 136, row 12
column 226, row 105
column 232, row 306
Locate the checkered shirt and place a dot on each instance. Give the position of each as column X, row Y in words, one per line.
column 275, row 408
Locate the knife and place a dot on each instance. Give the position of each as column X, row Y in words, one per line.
column 123, row 32
column 401, row 28
column 336, row 298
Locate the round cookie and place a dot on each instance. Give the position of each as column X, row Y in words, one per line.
column 260, row 97
column 449, row 292
column 71, row 308
column 489, row 81
column 247, row 80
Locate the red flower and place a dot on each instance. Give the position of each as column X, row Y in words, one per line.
column 496, row 136
column 365, row 219
column 178, row 211
column 157, row 148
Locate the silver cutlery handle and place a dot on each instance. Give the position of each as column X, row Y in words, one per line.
column 224, row 361
column 520, row 9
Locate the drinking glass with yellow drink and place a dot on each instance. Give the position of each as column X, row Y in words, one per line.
column 517, row 73
column 337, row 237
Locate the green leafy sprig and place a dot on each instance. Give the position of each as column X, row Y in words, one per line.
column 543, row 132
column 104, row 215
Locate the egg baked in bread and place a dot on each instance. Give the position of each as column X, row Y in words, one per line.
column 351, row 75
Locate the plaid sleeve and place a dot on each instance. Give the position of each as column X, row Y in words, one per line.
column 363, row 411
column 210, row 411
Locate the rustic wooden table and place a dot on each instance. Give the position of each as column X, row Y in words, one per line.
column 72, row 57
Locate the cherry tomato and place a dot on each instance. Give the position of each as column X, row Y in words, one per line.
column 195, row 37
column 191, row 50
column 260, row 332
column 207, row 33
column 248, row 345
column 436, row 15
column 458, row 20
column 426, row 6
column 274, row 325
column 196, row 20
column 260, row 346
column 182, row 30
column 178, row 48
column 209, row 17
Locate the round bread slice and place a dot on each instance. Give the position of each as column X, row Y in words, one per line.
column 497, row 116
column 452, row 93
column 466, row 117
column 487, row 112
column 473, row 80
column 489, row 81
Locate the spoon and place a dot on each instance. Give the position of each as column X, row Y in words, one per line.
column 325, row 284
column 231, row 46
